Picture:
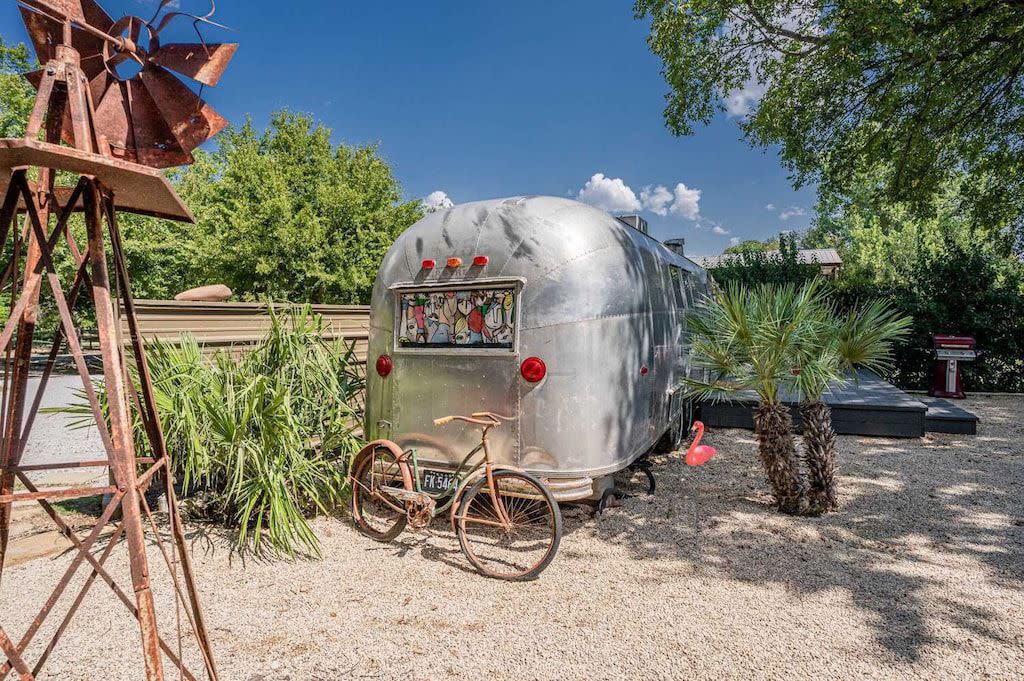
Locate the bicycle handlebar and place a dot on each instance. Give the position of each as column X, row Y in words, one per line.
column 477, row 418
column 491, row 414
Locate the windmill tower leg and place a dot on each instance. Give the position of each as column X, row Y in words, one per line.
column 123, row 463
column 10, row 448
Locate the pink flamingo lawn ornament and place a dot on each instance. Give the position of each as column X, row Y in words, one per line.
column 698, row 454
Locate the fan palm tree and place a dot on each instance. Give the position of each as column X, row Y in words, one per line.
column 825, row 356
column 745, row 340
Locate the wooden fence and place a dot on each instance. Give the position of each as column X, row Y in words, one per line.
column 235, row 326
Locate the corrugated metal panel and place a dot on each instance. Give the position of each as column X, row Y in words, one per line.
column 238, row 325
column 824, row 256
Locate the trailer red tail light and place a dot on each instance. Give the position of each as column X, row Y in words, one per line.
column 384, row 366
column 454, row 262
column 428, row 264
column 480, row 260
column 533, row 369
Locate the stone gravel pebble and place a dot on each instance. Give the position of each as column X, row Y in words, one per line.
column 920, row 575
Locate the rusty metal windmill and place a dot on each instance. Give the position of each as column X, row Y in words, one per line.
column 110, row 111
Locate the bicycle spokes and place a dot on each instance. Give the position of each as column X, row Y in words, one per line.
column 510, row 530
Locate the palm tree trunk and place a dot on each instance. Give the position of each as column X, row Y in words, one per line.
column 820, row 456
column 773, row 426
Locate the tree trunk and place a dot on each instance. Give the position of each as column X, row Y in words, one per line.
column 777, row 450
column 820, row 456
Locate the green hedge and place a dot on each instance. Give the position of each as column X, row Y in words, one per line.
column 959, row 291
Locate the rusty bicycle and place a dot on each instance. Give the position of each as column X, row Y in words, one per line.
column 507, row 521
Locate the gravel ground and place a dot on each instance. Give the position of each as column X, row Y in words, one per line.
column 919, row 576
column 50, row 441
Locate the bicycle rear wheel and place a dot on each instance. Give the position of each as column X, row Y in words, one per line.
column 520, row 550
column 377, row 514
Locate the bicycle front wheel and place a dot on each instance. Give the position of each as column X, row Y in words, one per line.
column 511, row 532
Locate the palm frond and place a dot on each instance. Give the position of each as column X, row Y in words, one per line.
column 867, row 335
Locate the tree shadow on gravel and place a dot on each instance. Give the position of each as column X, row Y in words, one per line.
column 908, row 506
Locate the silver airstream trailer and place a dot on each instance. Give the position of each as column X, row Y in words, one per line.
column 540, row 307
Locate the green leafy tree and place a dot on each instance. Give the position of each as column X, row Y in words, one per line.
column 928, row 89
column 951, row 270
column 959, row 290
column 16, row 94
column 284, row 214
column 881, row 240
column 753, row 246
column 775, row 340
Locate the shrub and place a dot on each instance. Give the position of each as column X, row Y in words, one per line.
column 962, row 291
column 259, row 443
column 951, row 287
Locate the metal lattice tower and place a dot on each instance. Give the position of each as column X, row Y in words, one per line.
column 109, row 110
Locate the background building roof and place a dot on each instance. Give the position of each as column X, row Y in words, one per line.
column 820, row 256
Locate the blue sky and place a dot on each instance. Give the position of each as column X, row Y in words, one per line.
column 486, row 99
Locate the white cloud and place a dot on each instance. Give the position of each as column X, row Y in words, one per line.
column 615, row 196
column 686, row 203
column 656, row 199
column 740, row 103
column 719, row 230
column 734, row 241
column 769, row 206
column 437, row 200
column 792, row 212
column 610, row 194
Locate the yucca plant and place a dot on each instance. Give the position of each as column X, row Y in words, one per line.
column 261, row 440
column 826, row 357
column 746, row 339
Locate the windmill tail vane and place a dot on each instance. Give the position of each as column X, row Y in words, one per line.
column 112, row 109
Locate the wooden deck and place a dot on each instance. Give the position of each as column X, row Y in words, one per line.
column 866, row 406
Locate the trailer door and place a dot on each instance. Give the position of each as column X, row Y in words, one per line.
column 455, row 352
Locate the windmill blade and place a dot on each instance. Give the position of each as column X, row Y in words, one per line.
column 191, row 120
column 95, row 15
column 155, row 144
column 112, row 120
column 202, row 63
column 82, row 11
column 151, row 118
column 46, row 33
column 35, row 78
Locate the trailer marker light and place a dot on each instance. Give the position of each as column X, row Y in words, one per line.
column 384, row 366
column 454, row 262
column 533, row 369
column 643, row 371
column 428, row 264
column 480, row 260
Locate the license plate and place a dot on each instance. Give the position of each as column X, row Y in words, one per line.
column 437, row 481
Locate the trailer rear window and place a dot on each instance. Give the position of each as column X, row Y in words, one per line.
column 471, row 318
